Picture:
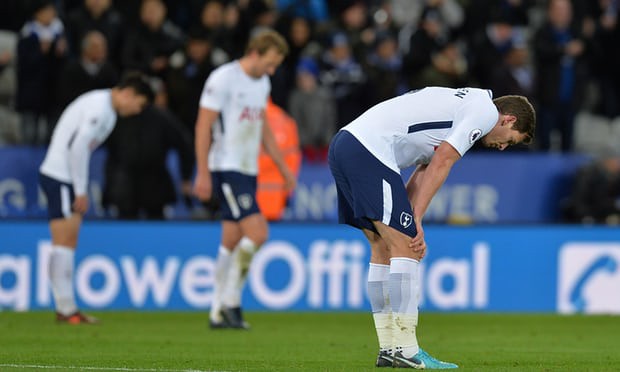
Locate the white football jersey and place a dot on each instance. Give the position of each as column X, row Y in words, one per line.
column 240, row 100
column 83, row 126
column 406, row 130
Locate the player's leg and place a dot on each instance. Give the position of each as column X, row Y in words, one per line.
column 255, row 231
column 404, row 294
column 64, row 233
column 231, row 234
column 238, row 198
column 64, row 228
column 378, row 294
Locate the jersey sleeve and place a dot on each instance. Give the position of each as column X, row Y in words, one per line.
column 215, row 91
column 473, row 120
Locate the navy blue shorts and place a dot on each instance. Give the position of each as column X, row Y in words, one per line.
column 236, row 193
column 367, row 189
column 60, row 197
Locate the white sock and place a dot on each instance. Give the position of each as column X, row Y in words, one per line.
column 61, row 279
column 222, row 267
column 240, row 265
column 378, row 294
column 404, row 300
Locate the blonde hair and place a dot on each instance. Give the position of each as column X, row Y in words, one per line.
column 265, row 40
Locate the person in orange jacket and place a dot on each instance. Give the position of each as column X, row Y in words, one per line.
column 271, row 194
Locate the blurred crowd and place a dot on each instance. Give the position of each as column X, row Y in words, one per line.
column 345, row 56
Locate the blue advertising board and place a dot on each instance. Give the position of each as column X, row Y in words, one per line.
column 170, row 265
column 483, row 187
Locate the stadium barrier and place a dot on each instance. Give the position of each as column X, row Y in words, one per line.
column 170, row 265
column 483, row 187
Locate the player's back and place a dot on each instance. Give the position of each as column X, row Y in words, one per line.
column 405, row 130
column 91, row 112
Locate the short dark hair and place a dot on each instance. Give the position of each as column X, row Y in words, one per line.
column 139, row 83
column 523, row 110
column 267, row 39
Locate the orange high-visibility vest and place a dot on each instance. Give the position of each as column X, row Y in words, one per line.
column 271, row 195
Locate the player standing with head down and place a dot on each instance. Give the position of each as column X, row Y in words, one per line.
column 63, row 175
column 229, row 131
column 431, row 129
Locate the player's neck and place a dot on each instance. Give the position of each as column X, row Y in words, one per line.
column 246, row 65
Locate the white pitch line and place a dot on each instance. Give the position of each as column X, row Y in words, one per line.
column 87, row 368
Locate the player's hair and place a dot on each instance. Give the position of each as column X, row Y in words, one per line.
column 139, row 83
column 265, row 40
column 523, row 110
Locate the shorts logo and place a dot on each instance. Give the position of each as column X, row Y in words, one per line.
column 405, row 219
column 589, row 278
column 474, row 135
column 245, row 201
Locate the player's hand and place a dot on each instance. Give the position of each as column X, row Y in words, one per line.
column 290, row 182
column 80, row 204
column 202, row 186
column 417, row 243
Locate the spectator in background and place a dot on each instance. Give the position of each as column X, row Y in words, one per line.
column 91, row 71
column 9, row 119
column 312, row 106
column 41, row 52
column 342, row 73
column 96, row 15
column 212, row 21
column 488, row 46
column 138, row 184
column 561, row 74
column 595, row 197
column 149, row 47
column 433, row 57
column 514, row 74
column 311, row 10
column 300, row 38
column 354, row 22
column 605, row 57
column 383, row 68
column 185, row 80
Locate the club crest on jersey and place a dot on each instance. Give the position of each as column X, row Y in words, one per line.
column 245, row 201
column 405, row 219
column 474, row 135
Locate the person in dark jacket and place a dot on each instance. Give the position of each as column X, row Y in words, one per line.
column 560, row 62
column 149, row 47
column 137, row 181
column 91, row 71
column 97, row 15
column 41, row 51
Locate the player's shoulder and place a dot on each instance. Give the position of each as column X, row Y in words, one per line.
column 228, row 69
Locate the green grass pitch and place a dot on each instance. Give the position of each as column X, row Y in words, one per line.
column 181, row 341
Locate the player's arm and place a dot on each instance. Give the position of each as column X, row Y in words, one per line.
column 82, row 142
column 413, row 184
column 271, row 148
column 435, row 175
column 204, row 123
